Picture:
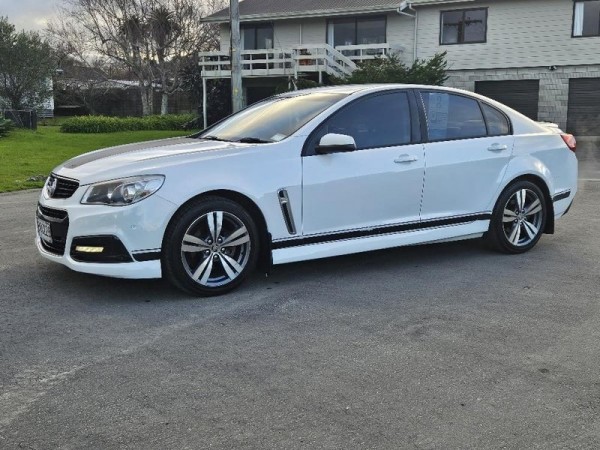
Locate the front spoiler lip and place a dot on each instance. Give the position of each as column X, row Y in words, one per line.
column 128, row 270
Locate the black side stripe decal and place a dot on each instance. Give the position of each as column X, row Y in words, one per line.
column 377, row 231
column 562, row 195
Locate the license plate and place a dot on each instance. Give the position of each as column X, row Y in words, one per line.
column 44, row 230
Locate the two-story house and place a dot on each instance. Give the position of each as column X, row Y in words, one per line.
column 542, row 57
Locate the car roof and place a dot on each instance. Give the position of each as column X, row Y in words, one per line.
column 349, row 89
column 354, row 88
column 520, row 122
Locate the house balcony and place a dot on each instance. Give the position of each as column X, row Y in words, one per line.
column 301, row 59
column 360, row 53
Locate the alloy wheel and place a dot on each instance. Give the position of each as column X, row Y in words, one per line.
column 215, row 249
column 523, row 217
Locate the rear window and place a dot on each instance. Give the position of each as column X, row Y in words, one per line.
column 452, row 116
column 497, row 122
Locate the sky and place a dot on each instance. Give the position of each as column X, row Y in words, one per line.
column 29, row 14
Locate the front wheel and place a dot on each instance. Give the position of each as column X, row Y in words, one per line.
column 519, row 218
column 210, row 247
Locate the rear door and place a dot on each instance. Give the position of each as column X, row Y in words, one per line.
column 469, row 146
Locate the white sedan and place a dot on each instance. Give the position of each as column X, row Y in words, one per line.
column 305, row 175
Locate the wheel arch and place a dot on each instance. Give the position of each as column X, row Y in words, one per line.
column 265, row 256
column 541, row 183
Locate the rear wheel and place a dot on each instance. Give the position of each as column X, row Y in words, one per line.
column 519, row 218
column 210, row 247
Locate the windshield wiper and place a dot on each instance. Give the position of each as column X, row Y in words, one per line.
column 214, row 138
column 253, row 140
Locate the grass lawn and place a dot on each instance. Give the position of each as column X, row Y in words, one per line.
column 27, row 157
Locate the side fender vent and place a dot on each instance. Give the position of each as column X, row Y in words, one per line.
column 286, row 210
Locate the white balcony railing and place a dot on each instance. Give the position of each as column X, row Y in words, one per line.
column 364, row 52
column 322, row 58
column 255, row 63
column 305, row 58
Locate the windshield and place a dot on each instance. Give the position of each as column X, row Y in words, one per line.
column 272, row 120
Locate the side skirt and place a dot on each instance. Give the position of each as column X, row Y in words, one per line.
column 327, row 249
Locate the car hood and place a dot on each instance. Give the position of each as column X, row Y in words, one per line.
column 142, row 158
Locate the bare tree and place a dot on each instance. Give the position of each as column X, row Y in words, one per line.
column 152, row 38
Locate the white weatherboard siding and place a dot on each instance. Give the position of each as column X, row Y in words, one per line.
column 286, row 34
column 290, row 33
column 314, row 31
column 400, row 36
column 225, row 37
column 530, row 33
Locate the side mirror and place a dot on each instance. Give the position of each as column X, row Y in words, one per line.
column 335, row 143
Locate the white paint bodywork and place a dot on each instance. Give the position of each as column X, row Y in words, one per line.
column 334, row 193
column 371, row 191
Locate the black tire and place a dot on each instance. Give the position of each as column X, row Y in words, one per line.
column 512, row 229
column 195, row 262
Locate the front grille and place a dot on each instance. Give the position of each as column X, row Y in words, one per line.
column 52, row 213
column 59, row 227
column 63, row 187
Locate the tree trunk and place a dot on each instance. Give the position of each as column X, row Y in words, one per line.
column 164, row 105
column 147, row 100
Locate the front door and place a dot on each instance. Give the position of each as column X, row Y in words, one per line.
column 378, row 184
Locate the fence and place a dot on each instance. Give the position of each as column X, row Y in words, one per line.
column 119, row 102
column 22, row 119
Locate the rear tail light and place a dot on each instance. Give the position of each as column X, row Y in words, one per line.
column 570, row 141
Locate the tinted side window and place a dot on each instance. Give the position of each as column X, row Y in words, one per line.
column 496, row 121
column 452, row 116
column 376, row 121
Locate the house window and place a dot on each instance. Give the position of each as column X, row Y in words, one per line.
column 356, row 31
column 464, row 26
column 586, row 19
column 257, row 37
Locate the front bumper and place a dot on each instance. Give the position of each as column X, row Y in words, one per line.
column 139, row 228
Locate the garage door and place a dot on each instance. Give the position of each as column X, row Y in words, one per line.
column 583, row 118
column 522, row 95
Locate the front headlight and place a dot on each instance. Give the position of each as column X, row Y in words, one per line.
column 122, row 192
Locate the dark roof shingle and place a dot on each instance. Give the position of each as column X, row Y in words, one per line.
column 302, row 8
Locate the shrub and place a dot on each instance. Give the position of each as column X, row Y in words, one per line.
column 5, row 127
column 105, row 124
column 390, row 69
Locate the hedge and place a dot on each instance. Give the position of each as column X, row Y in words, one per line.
column 105, row 124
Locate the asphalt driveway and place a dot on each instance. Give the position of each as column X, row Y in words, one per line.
column 441, row 346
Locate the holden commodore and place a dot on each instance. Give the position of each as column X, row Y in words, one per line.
column 305, row 175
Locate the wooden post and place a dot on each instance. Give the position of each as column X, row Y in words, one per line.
column 236, row 57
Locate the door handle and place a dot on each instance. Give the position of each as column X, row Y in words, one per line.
column 497, row 148
column 404, row 159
